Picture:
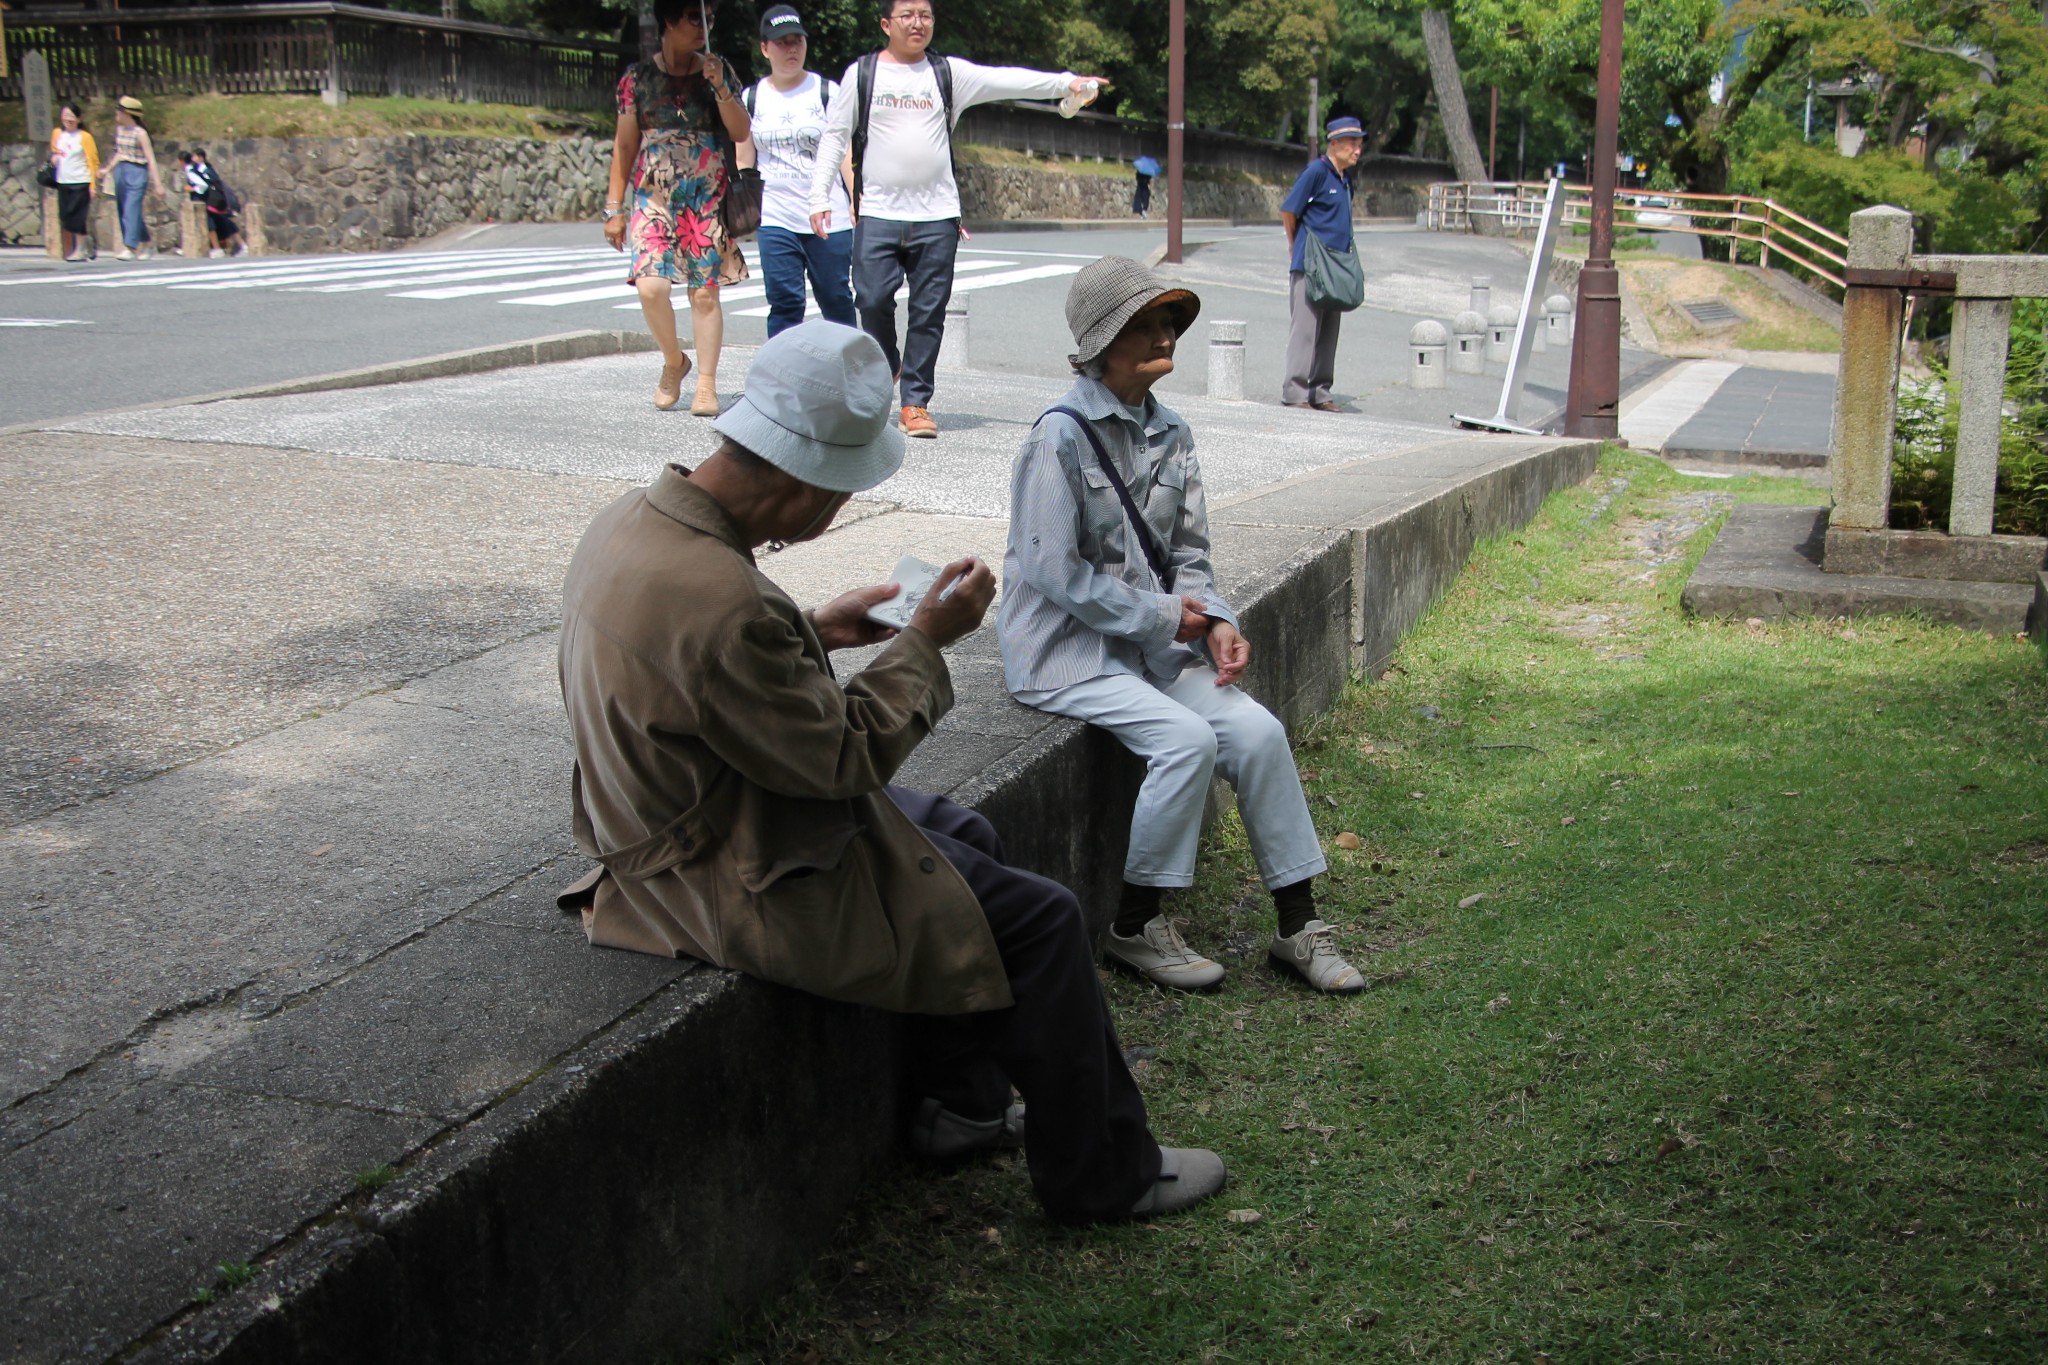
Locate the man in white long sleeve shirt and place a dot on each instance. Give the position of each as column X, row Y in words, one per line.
column 909, row 201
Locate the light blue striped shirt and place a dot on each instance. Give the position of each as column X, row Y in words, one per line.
column 1079, row 600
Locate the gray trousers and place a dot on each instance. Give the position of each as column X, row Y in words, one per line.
column 1311, row 345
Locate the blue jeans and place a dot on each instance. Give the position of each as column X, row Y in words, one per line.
column 786, row 256
column 885, row 253
column 130, row 183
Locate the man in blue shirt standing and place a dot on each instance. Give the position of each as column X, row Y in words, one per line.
column 1320, row 202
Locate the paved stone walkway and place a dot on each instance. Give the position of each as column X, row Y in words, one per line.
column 1721, row 411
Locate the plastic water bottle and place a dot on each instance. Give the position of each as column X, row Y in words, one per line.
column 1071, row 102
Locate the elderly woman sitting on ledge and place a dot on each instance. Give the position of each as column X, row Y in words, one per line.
column 1111, row 615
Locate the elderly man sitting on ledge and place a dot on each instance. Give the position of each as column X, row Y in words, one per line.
column 737, row 798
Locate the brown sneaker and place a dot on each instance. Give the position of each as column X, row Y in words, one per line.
column 918, row 422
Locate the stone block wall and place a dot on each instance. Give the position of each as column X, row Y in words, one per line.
column 380, row 194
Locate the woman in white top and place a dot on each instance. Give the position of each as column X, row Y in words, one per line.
column 789, row 118
column 76, row 159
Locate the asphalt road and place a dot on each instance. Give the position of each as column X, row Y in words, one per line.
column 76, row 339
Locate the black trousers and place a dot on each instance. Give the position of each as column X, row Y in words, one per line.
column 1086, row 1141
column 886, row 253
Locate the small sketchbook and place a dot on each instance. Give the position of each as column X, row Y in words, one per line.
column 917, row 578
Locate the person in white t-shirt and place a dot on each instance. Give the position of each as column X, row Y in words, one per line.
column 789, row 121
column 908, row 221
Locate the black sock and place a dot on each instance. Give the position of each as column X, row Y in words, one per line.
column 1296, row 906
column 1137, row 909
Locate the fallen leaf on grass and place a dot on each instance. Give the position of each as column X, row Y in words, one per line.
column 1245, row 1216
column 1498, row 1003
column 1788, row 793
column 1569, row 820
column 1668, row 1146
column 1471, row 900
column 1443, row 853
column 1471, row 1177
column 993, row 1236
column 1415, row 795
column 1349, row 840
column 1402, row 1224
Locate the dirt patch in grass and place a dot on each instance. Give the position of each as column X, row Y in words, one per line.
column 1770, row 322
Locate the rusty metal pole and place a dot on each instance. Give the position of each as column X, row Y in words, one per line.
column 1176, row 119
column 1592, row 403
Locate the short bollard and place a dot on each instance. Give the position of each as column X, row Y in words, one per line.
column 1557, row 319
column 1468, row 343
column 1482, row 294
column 953, row 341
column 1226, row 360
column 1537, row 328
column 1500, row 332
column 1427, row 342
column 193, row 237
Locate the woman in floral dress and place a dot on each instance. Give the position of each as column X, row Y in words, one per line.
column 674, row 112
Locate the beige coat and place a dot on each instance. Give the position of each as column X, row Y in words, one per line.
column 732, row 791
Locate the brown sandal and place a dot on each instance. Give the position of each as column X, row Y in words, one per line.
column 669, row 391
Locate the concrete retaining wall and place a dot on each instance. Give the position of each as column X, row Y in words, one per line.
column 379, row 194
column 684, row 1163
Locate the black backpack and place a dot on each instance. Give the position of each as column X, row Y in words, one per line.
column 826, row 90
column 864, row 89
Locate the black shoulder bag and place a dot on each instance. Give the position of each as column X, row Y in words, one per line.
column 739, row 208
column 1153, row 555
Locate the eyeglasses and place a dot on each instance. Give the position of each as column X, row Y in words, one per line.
column 911, row 20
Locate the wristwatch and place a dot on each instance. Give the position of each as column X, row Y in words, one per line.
column 612, row 213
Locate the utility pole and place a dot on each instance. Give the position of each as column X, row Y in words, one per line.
column 1176, row 119
column 1592, row 403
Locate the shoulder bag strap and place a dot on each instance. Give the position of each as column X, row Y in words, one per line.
column 1153, row 556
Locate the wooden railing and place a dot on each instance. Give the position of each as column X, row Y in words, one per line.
column 311, row 47
column 1739, row 219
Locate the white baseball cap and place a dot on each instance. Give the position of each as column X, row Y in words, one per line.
column 816, row 407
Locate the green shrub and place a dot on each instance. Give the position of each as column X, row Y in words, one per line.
column 1924, row 453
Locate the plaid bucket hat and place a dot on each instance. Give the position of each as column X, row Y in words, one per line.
column 1110, row 292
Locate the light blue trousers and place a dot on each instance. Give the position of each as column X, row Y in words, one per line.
column 1186, row 731
column 131, row 182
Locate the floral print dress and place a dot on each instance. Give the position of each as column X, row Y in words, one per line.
column 679, row 176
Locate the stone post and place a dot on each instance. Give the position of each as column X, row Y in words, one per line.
column 193, row 239
column 1226, row 360
column 1427, row 341
column 1557, row 319
column 1539, row 328
column 1500, row 331
column 1867, row 387
column 1482, row 294
column 1983, row 329
column 53, row 230
column 1468, row 343
column 953, row 341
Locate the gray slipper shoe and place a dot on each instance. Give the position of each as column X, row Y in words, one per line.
column 1187, row 1176
column 940, row 1133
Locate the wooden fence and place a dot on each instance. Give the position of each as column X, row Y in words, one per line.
column 312, row 47
column 1764, row 227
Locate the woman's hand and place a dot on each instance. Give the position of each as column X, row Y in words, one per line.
column 714, row 72
column 615, row 231
column 1230, row 651
column 1194, row 622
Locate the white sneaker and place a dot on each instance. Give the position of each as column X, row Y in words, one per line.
column 217, row 253
column 241, row 248
column 1312, row 956
column 124, row 254
column 1160, row 955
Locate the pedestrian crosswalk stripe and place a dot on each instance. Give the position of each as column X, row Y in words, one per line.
column 539, row 277
column 42, row 322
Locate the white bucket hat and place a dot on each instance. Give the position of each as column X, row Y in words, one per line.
column 816, row 407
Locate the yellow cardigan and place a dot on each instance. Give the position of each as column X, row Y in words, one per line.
column 86, row 145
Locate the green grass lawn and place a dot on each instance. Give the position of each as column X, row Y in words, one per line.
column 1707, row 1018
column 199, row 119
